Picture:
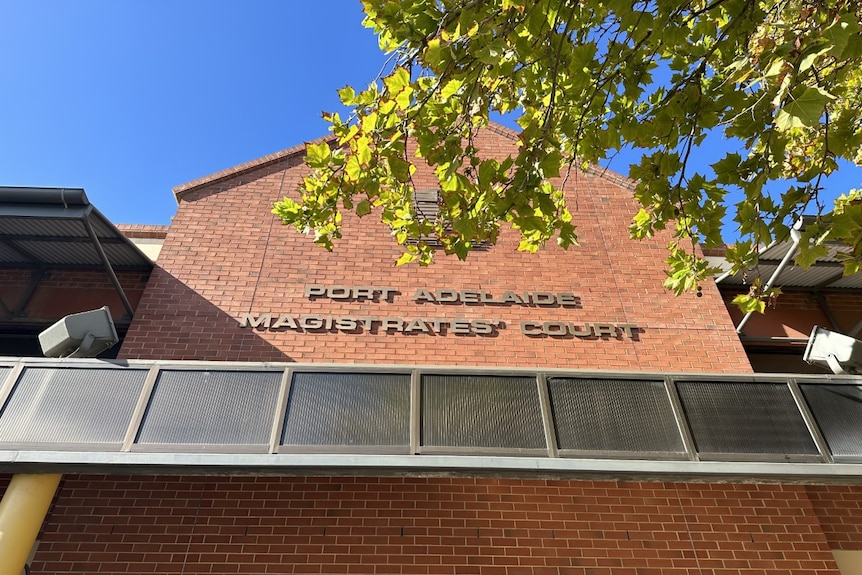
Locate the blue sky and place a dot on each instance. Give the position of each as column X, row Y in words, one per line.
column 128, row 99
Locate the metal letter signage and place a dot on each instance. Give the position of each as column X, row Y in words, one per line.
column 439, row 326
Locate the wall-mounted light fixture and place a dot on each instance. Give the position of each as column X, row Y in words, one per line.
column 85, row 334
column 840, row 353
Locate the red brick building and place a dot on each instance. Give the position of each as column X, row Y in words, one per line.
column 549, row 413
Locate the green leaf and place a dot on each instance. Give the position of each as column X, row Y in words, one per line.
column 288, row 210
column 551, row 164
column 727, row 169
column 465, row 226
column 401, row 169
column 433, row 53
column 803, row 111
column 369, row 121
column 397, row 80
column 852, row 266
column 450, row 89
column 491, row 53
column 567, row 237
column 810, row 59
column 405, row 258
column 809, row 254
column 352, row 169
column 317, row 155
column 749, row 304
column 404, row 98
column 363, row 208
column 641, row 225
column 363, row 151
column 527, row 245
column 841, row 33
column 347, row 95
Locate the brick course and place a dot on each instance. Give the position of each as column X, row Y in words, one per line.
column 839, row 511
column 436, row 525
column 61, row 292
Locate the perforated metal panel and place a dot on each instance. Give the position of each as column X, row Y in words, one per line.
column 348, row 409
column 481, row 411
column 614, row 415
column 759, row 418
column 211, row 407
column 71, row 405
column 838, row 411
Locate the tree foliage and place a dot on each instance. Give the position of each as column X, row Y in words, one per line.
column 586, row 79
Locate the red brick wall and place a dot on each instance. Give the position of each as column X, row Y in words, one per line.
column 61, row 292
column 839, row 510
column 796, row 313
column 197, row 525
column 226, row 255
column 847, row 309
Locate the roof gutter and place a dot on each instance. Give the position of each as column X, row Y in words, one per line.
column 49, row 196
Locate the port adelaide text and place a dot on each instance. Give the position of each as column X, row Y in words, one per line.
column 443, row 299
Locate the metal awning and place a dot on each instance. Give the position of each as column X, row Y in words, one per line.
column 775, row 264
column 58, row 228
column 776, row 269
column 826, row 273
column 221, row 417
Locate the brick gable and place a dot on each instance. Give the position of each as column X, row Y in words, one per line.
column 227, row 255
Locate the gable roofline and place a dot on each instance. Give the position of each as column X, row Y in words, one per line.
column 246, row 167
column 182, row 189
column 144, row 231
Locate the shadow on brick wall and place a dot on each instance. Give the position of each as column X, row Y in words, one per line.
column 173, row 321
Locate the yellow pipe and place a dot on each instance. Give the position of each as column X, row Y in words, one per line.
column 22, row 512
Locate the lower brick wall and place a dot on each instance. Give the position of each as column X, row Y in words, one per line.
column 839, row 510
column 263, row 525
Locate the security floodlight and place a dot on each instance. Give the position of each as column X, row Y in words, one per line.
column 840, row 353
column 85, row 334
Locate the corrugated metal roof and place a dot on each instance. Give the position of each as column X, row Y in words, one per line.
column 10, row 256
column 849, row 282
column 826, row 273
column 48, row 227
